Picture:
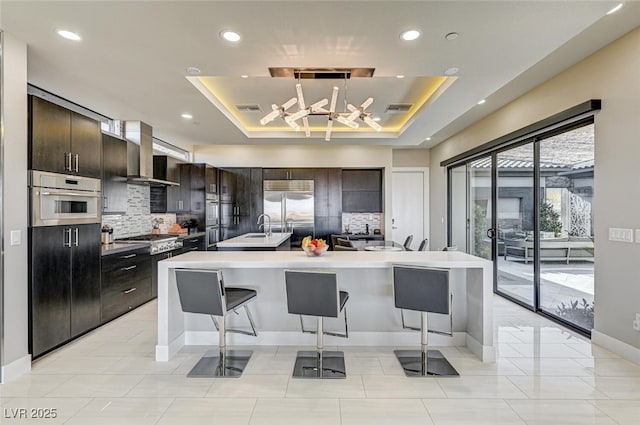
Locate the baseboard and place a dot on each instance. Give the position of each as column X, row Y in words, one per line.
column 16, row 368
column 485, row 353
column 626, row 351
column 391, row 339
column 165, row 352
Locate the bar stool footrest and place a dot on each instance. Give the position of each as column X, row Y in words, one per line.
column 212, row 365
column 320, row 365
column 416, row 364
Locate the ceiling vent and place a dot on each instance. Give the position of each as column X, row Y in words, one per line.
column 249, row 108
column 398, row 108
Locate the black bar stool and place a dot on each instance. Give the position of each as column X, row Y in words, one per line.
column 203, row 292
column 312, row 293
column 425, row 290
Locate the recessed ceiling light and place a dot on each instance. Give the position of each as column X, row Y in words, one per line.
column 481, row 102
column 69, row 35
column 427, row 139
column 451, row 36
column 244, row 76
column 410, row 35
column 192, row 70
column 230, row 36
column 186, row 116
column 400, row 76
column 377, row 119
column 615, row 9
column 452, row 71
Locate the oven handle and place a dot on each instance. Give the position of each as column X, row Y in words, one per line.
column 82, row 195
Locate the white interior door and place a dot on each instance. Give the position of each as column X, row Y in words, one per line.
column 410, row 206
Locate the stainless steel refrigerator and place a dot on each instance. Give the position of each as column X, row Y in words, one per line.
column 290, row 205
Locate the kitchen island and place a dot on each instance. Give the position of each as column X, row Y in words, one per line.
column 257, row 242
column 373, row 319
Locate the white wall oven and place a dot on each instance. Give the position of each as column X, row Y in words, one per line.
column 58, row 199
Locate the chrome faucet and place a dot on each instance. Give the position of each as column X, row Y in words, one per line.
column 263, row 216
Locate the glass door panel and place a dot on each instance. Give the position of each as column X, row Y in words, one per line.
column 515, row 218
column 458, row 222
column 566, row 226
column 479, row 208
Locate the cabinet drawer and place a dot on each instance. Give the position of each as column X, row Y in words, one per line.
column 193, row 244
column 125, row 259
column 138, row 268
column 121, row 297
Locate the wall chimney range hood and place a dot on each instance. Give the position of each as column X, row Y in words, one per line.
column 140, row 155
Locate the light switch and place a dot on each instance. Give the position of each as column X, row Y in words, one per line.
column 637, row 235
column 16, row 237
column 621, row 235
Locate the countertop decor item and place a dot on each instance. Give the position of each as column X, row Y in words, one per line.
column 314, row 247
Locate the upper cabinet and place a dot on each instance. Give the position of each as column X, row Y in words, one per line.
column 63, row 141
column 362, row 191
column 211, row 180
column 114, row 175
column 166, row 199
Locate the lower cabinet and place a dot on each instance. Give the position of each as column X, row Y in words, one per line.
column 196, row 243
column 126, row 282
column 64, row 292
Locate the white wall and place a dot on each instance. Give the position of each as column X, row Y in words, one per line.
column 613, row 75
column 411, row 158
column 15, row 357
column 283, row 156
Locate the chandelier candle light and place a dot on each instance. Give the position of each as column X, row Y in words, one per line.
column 346, row 118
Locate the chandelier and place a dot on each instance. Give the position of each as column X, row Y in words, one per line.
column 347, row 117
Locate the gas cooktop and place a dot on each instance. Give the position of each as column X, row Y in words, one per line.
column 158, row 243
column 148, row 237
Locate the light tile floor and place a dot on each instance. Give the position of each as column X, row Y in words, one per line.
column 544, row 375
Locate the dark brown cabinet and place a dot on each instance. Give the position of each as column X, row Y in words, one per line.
column 193, row 243
column 126, row 282
column 240, row 201
column 63, row 141
column 65, row 284
column 211, row 180
column 166, row 199
column 362, row 191
column 114, row 175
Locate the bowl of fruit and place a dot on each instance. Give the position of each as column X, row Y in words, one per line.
column 314, row 247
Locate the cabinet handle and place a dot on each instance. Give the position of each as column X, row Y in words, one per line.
column 105, row 205
column 66, row 238
column 77, row 233
column 128, row 291
column 128, row 256
column 195, row 248
column 77, row 163
column 124, row 269
column 67, row 160
column 180, row 205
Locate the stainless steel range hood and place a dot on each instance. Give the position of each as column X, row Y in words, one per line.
column 140, row 155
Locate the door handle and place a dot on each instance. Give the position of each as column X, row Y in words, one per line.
column 66, row 237
column 491, row 233
column 394, row 227
column 77, row 233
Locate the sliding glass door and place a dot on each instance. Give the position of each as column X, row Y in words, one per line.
column 566, row 226
column 528, row 208
column 515, row 223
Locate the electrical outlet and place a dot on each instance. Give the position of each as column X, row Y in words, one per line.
column 637, row 235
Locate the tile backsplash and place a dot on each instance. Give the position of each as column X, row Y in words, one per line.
column 357, row 222
column 165, row 221
column 137, row 220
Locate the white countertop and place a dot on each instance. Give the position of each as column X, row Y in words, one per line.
column 340, row 259
column 255, row 240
